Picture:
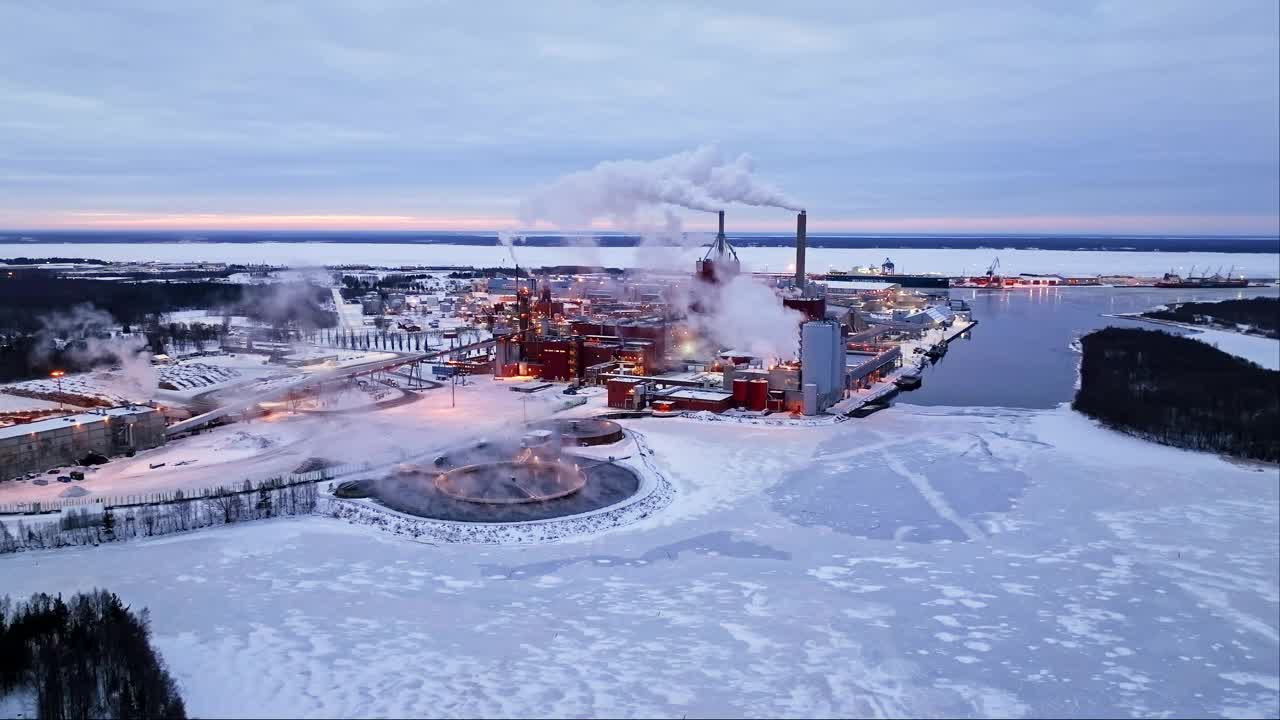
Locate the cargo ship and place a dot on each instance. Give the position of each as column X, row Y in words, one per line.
column 1193, row 281
column 885, row 272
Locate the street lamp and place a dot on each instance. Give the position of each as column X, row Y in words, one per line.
column 57, row 375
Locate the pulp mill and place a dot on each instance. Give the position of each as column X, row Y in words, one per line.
column 652, row 339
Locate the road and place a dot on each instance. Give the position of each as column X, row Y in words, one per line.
column 280, row 391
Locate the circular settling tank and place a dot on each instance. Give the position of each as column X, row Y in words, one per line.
column 505, row 491
column 585, row 431
column 511, row 483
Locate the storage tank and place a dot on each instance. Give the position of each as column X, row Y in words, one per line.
column 740, row 392
column 757, row 395
column 817, row 354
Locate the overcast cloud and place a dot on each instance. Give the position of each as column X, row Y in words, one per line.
column 1126, row 116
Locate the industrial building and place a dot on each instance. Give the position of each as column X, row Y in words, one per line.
column 45, row 444
column 639, row 336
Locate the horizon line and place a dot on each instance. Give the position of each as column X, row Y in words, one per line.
column 521, row 234
column 1236, row 225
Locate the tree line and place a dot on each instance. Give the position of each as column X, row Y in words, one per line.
column 1178, row 391
column 1263, row 314
column 270, row 498
column 27, row 295
column 86, row 657
column 29, row 298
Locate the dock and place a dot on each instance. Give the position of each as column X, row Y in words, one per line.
column 887, row 388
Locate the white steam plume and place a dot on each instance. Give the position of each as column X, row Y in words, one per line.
column 618, row 190
column 508, row 241
column 735, row 183
column 743, row 314
column 90, row 335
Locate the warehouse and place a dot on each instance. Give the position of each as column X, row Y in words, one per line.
column 39, row 446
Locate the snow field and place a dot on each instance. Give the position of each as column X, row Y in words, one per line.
column 930, row 561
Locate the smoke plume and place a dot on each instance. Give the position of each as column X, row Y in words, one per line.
column 619, row 190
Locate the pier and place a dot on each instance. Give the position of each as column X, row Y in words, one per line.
column 911, row 361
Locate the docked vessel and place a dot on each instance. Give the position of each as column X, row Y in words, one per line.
column 886, row 272
column 991, row 280
column 1192, row 281
column 909, row 380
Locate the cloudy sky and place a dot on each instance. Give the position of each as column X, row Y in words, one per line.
column 1074, row 116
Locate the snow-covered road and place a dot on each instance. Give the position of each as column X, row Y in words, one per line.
column 924, row 561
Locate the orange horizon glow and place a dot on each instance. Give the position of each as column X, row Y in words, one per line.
column 195, row 222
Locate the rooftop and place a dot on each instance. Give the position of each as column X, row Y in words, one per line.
column 859, row 285
column 696, row 394
column 83, row 418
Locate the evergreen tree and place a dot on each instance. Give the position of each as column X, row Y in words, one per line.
column 108, row 524
column 264, row 501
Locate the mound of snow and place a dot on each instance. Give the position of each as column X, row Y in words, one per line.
column 242, row 440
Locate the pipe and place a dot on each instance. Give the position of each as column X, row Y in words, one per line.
column 802, row 233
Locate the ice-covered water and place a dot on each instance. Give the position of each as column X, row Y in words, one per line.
column 771, row 259
column 925, row 561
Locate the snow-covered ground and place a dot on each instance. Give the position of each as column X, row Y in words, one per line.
column 17, row 403
column 276, row 445
column 925, row 561
column 196, row 375
column 349, row 397
column 103, row 384
column 1261, row 350
column 774, row 259
column 1257, row 349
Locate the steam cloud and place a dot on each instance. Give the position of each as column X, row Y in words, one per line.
column 508, row 240
column 90, row 336
column 620, row 190
column 744, row 314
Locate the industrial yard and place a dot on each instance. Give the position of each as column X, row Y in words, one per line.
column 712, row 339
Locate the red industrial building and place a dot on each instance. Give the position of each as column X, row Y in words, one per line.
column 813, row 308
column 636, row 347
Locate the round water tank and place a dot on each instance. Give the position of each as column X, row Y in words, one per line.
column 740, row 392
column 758, row 394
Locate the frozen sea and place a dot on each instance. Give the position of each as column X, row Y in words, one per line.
column 921, row 562
column 762, row 259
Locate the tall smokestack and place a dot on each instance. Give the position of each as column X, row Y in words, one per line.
column 802, row 238
column 720, row 233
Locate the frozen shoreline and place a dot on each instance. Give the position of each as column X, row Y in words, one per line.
column 1262, row 351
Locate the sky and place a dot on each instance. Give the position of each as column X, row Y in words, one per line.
column 1052, row 116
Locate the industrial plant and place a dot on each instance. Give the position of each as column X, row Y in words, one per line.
column 710, row 338
column 660, row 342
